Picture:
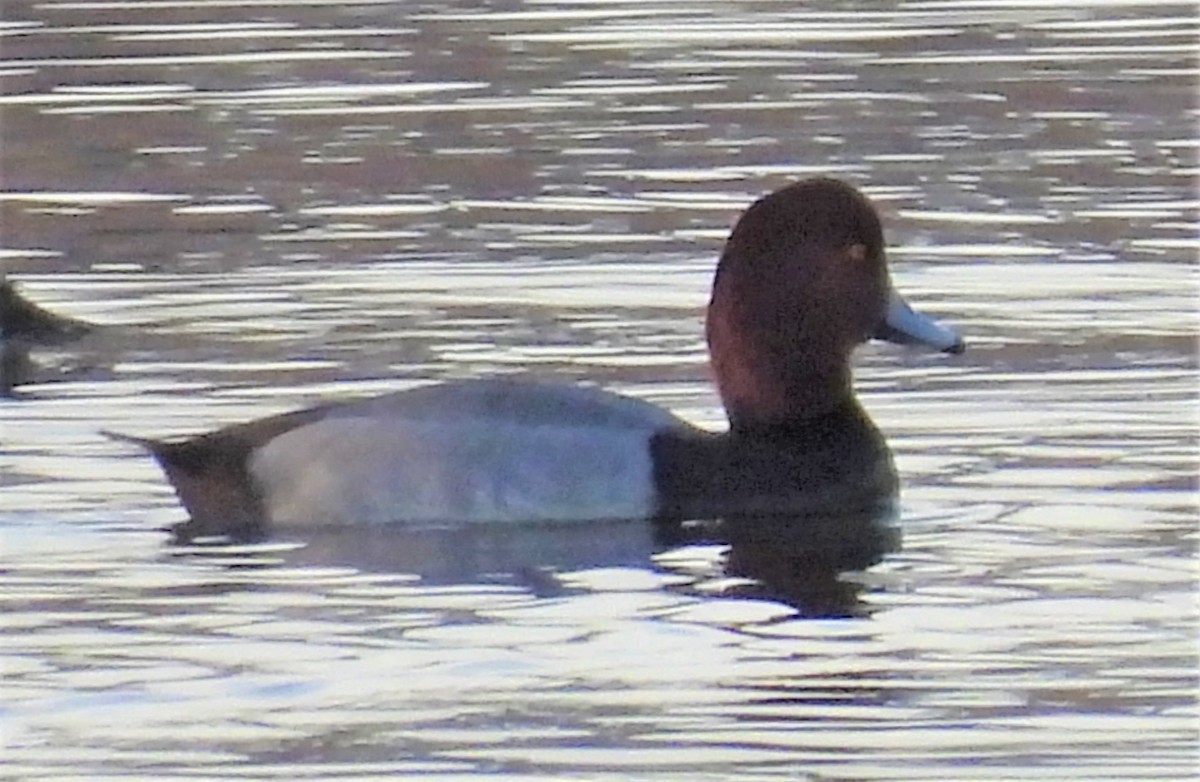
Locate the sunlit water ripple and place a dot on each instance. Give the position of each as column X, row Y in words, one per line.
column 264, row 203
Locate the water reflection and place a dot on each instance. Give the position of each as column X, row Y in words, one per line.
column 802, row 561
column 798, row 560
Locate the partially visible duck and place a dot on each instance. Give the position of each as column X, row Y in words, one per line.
column 24, row 326
column 22, row 320
column 801, row 282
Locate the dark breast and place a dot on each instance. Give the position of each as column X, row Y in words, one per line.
column 837, row 460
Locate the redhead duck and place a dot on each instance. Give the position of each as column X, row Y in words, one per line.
column 801, row 282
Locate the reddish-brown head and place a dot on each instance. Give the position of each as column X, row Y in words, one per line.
column 803, row 279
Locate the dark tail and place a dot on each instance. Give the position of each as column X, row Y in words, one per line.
column 212, row 480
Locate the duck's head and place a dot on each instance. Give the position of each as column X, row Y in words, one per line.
column 802, row 281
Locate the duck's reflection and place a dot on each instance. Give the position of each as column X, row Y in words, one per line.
column 17, row 367
column 799, row 560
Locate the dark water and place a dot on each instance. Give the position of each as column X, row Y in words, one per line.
column 264, row 203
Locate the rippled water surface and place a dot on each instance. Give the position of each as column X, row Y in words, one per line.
column 263, row 203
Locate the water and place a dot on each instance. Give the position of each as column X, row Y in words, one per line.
column 269, row 203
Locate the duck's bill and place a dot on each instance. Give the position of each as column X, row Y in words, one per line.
column 906, row 326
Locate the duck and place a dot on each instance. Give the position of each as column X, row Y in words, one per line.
column 26, row 327
column 802, row 281
column 21, row 320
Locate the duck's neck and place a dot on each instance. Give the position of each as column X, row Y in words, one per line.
column 792, row 406
column 767, row 374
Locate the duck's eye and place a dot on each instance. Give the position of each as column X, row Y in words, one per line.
column 857, row 252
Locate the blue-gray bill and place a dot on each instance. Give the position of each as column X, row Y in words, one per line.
column 906, row 326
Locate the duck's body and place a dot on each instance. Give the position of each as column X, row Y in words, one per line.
column 481, row 450
column 802, row 281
